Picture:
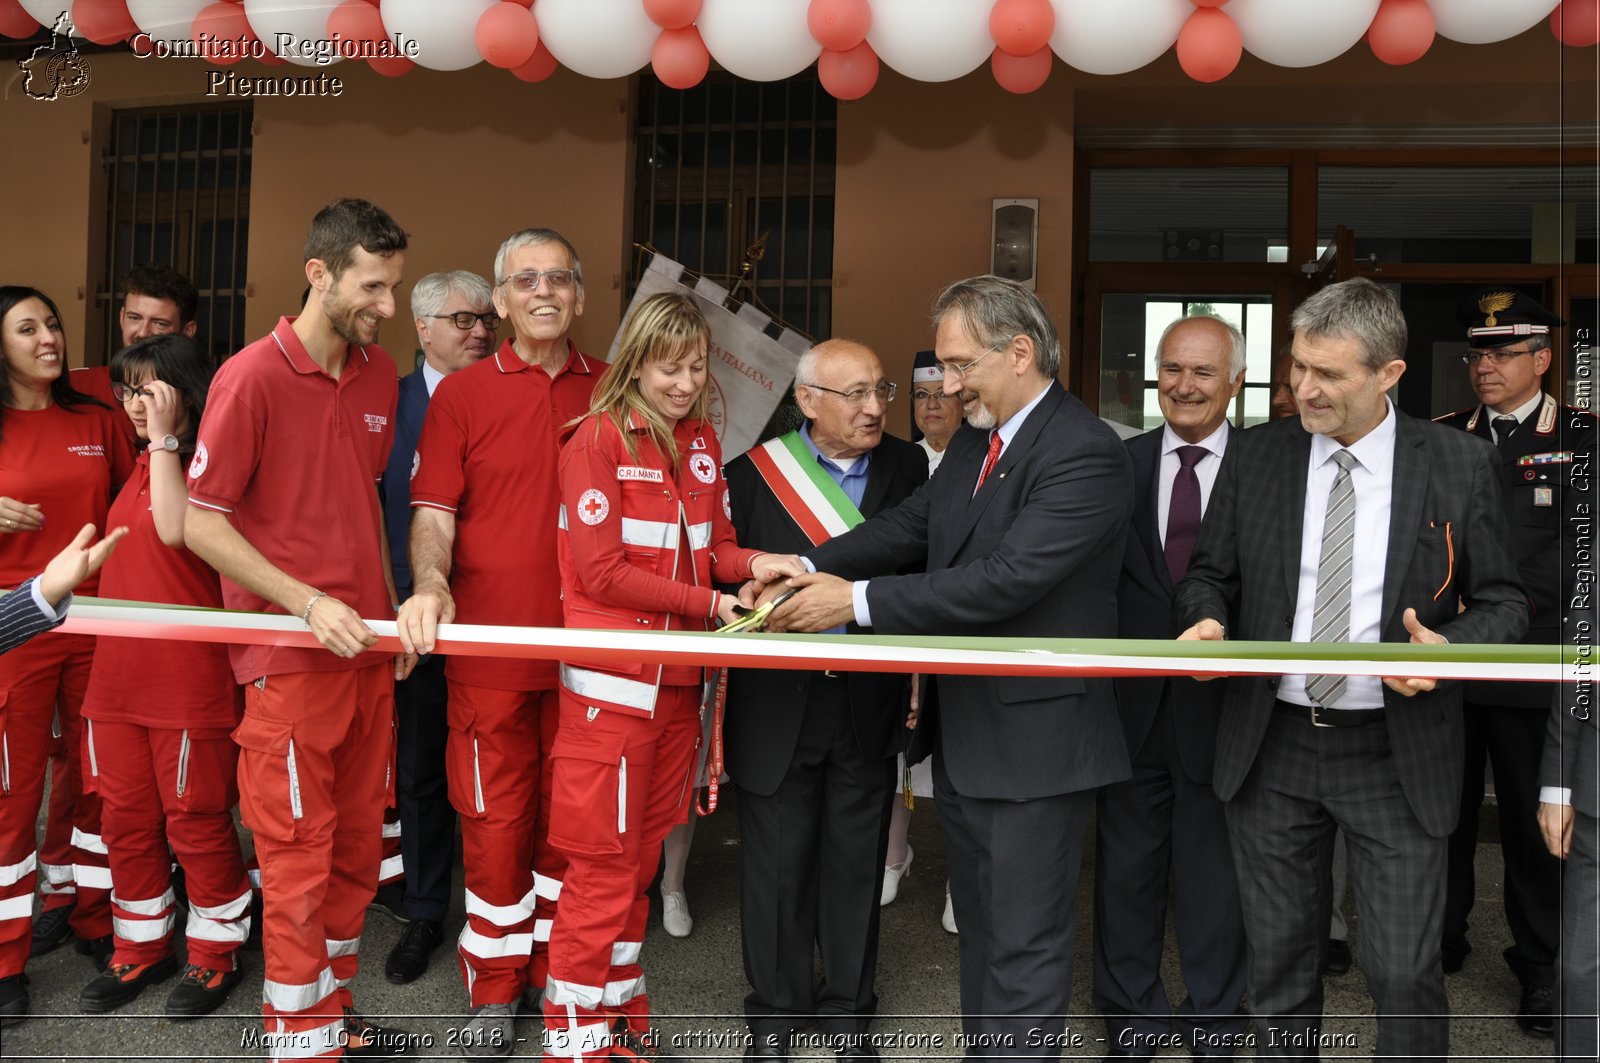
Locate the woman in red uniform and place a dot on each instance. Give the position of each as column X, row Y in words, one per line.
column 62, row 457
column 157, row 747
column 646, row 531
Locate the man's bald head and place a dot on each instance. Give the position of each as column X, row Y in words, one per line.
column 827, row 375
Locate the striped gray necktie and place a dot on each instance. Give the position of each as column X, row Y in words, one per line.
column 1330, row 619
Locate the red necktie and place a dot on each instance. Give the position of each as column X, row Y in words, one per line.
column 989, row 462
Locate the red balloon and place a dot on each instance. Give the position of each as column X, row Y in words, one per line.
column 507, row 35
column 1208, row 3
column 839, row 25
column 1402, row 31
column 1022, row 27
column 103, row 21
column 223, row 26
column 1209, row 45
column 672, row 14
column 1021, row 73
column 1576, row 23
column 680, row 58
column 848, row 75
column 391, row 66
column 15, row 20
column 541, row 66
column 356, row 20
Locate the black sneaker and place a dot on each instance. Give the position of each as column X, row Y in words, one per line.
column 202, row 990
column 121, row 983
column 50, row 930
column 366, row 1041
column 409, row 959
column 13, row 999
column 1338, row 959
column 97, row 949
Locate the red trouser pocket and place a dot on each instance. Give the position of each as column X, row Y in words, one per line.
column 269, row 781
column 588, row 792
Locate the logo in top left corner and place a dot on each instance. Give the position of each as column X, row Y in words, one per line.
column 56, row 70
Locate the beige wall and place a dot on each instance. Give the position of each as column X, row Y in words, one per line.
column 463, row 159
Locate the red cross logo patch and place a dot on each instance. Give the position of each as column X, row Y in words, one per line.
column 593, row 506
column 704, row 469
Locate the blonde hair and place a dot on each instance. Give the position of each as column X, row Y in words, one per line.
column 663, row 328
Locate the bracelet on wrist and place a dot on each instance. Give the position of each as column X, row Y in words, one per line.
column 305, row 617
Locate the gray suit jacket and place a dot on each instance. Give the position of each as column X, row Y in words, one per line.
column 1448, row 543
column 1034, row 553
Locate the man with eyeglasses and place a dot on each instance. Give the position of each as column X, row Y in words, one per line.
column 1022, row 531
column 1508, row 352
column 814, row 752
column 455, row 321
column 485, row 502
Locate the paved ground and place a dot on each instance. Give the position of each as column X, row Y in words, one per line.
column 697, row 984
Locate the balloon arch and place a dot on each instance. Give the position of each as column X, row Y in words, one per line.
column 927, row 40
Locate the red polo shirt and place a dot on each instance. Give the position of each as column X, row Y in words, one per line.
column 488, row 454
column 294, row 457
column 69, row 463
column 156, row 682
column 573, row 385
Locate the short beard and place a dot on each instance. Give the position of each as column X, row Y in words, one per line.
column 981, row 416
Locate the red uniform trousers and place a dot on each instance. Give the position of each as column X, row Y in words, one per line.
column 621, row 783
column 41, row 679
column 161, row 784
column 494, row 763
column 392, row 868
column 316, row 756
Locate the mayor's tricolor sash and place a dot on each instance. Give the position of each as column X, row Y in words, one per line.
column 807, row 493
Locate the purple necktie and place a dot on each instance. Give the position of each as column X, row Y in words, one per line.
column 1183, row 512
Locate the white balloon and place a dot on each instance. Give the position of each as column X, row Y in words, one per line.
column 1301, row 32
column 445, row 33
column 597, row 38
column 1101, row 38
column 293, row 29
column 166, row 20
column 1487, row 21
column 765, row 41
column 931, row 40
column 44, row 12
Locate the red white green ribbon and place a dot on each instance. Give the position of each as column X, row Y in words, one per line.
column 866, row 653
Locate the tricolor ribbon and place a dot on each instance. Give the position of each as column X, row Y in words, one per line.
column 934, row 654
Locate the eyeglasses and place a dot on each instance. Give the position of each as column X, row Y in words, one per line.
column 124, row 393
column 920, row 397
column 465, row 319
column 884, row 393
column 528, row 280
column 961, row 369
column 1472, row 358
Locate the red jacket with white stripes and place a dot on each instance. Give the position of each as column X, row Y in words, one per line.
column 640, row 546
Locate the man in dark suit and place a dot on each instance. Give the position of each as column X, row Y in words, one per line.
column 1569, row 811
column 1508, row 352
column 813, row 753
column 455, row 320
column 1355, row 523
column 1022, row 530
column 1166, row 818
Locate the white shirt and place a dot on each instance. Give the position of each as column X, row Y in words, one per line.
column 1008, row 432
column 430, row 376
column 934, row 456
column 1205, row 470
column 1373, row 480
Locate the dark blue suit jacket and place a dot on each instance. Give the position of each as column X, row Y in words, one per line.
column 1144, row 611
column 20, row 618
column 409, row 415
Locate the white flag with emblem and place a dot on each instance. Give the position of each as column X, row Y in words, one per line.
column 750, row 370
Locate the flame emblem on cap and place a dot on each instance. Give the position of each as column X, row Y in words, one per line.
column 1494, row 302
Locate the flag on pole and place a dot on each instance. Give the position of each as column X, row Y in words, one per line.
column 752, row 357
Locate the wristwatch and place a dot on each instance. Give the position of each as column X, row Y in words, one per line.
column 164, row 443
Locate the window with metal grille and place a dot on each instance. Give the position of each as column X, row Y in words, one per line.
column 177, row 186
column 728, row 162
